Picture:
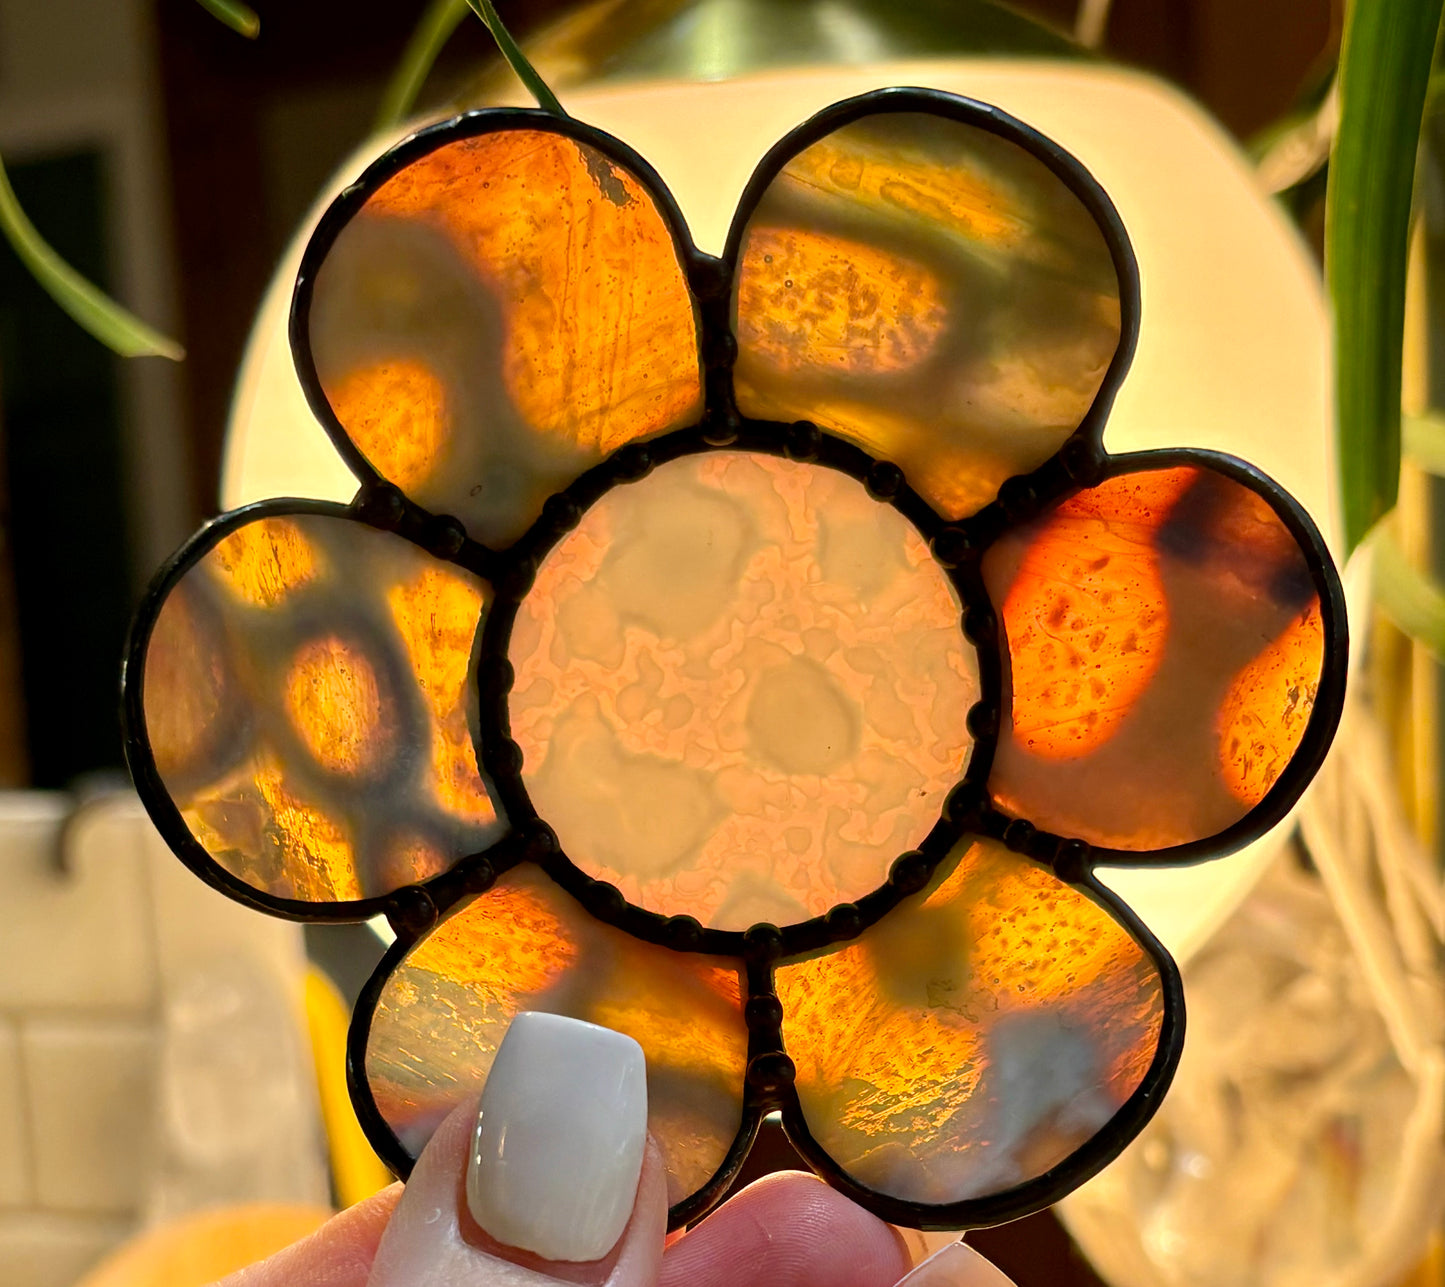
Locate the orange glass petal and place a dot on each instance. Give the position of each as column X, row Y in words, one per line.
column 336, row 707
column 500, row 315
column 525, row 945
column 1165, row 647
column 264, row 561
column 809, row 298
column 286, row 746
column 975, row 1037
column 1086, row 618
column 437, row 613
column 396, row 413
column 741, row 690
column 310, row 849
column 1264, row 714
column 932, row 292
column 532, row 954
column 185, row 664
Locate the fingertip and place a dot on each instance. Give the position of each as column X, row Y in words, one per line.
column 788, row 1230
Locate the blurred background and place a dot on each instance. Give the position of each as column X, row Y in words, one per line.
column 172, row 163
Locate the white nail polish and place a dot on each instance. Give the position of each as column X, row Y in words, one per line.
column 957, row 1265
column 558, row 1146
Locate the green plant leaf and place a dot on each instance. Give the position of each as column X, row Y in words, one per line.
column 95, row 311
column 237, row 16
column 516, row 59
column 1384, row 71
column 442, row 17
column 1412, row 600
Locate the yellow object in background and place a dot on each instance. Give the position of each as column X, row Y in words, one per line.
column 356, row 1171
column 199, row 1248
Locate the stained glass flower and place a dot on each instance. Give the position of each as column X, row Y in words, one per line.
column 753, row 654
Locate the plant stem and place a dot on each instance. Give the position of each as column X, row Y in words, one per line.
column 1423, row 440
column 437, row 24
column 237, row 16
column 93, row 310
column 1409, row 598
column 517, row 60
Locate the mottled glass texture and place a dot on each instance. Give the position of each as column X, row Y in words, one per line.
column 500, row 315
column 975, row 1037
column 929, row 291
column 307, row 699
column 1165, row 648
column 741, row 690
column 526, row 945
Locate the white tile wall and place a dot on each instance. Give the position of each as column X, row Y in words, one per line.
column 91, row 1090
column 45, row 1250
column 79, row 942
column 92, row 959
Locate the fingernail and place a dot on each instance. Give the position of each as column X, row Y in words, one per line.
column 559, row 1139
column 957, row 1265
column 920, row 1243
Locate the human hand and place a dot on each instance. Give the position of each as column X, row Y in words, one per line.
column 558, row 1159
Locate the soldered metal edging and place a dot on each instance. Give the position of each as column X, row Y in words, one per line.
column 958, row 546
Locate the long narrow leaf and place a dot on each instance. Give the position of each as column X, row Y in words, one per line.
column 111, row 324
column 1423, row 440
column 441, row 18
column 237, row 16
column 516, row 59
column 1409, row 598
column 1384, row 71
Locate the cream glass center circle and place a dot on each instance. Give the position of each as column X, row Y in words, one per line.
column 741, row 690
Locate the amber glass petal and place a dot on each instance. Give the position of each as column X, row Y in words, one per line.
column 975, row 1038
column 931, row 291
column 496, row 316
column 306, row 696
column 526, row 945
column 1166, row 644
column 741, row 690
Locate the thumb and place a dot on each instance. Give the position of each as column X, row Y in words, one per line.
column 551, row 1180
